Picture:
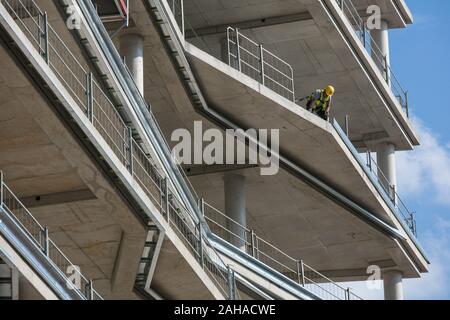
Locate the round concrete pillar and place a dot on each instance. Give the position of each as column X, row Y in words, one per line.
column 387, row 166
column 235, row 208
column 393, row 286
column 380, row 38
column 132, row 48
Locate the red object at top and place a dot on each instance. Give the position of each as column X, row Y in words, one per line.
column 123, row 6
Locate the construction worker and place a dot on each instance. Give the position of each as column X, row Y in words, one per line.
column 319, row 102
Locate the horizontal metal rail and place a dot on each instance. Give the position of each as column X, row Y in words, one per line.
column 296, row 270
column 255, row 61
column 380, row 59
column 103, row 114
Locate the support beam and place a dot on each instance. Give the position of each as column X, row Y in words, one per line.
column 216, row 168
column 393, row 286
column 132, row 48
column 235, row 208
column 126, row 265
column 249, row 24
column 57, row 198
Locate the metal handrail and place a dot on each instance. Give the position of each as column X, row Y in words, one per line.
column 158, row 128
column 255, row 61
column 349, row 10
column 391, row 192
column 39, row 235
column 164, row 198
column 298, row 271
column 177, row 8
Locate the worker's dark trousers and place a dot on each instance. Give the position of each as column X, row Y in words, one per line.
column 321, row 114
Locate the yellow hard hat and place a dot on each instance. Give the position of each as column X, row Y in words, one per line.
column 329, row 90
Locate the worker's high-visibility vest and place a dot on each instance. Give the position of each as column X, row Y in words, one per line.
column 321, row 103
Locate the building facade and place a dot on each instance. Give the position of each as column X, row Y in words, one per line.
column 162, row 149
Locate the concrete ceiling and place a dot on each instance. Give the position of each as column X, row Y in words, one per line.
column 316, row 63
column 40, row 158
column 45, row 164
column 209, row 13
column 309, row 225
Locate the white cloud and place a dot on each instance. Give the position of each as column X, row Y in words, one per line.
column 436, row 283
column 433, row 285
column 425, row 174
column 425, row 170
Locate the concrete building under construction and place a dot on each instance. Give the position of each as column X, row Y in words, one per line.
column 94, row 204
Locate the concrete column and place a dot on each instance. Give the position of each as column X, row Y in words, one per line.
column 393, row 287
column 386, row 164
column 380, row 37
column 235, row 208
column 132, row 48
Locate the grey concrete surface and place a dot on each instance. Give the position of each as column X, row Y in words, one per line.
column 319, row 57
column 236, row 207
column 100, row 233
column 298, row 219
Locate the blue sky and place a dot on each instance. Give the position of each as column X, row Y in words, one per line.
column 420, row 58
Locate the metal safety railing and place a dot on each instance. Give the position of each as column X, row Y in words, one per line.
column 177, row 8
column 166, row 143
column 296, row 270
column 253, row 60
column 379, row 180
column 103, row 114
column 391, row 191
column 380, row 59
column 11, row 204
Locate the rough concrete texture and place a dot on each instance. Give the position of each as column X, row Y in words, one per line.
column 40, row 156
column 173, row 277
column 319, row 56
column 97, row 229
column 299, row 220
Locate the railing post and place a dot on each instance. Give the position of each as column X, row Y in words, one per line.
column 130, row 150
column 302, row 269
column 393, row 195
column 299, row 272
column 252, row 243
column 46, row 46
column 90, row 293
column 202, row 206
column 182, row 19
column 90, row 96
column 46, row 243
column 1, row 189
column 200, row 245
column 369, row 160
column 346, row 125
column 347, row 294
column 238, row 53
column 261, row 52
column 231, row 288
column 364, row 34
column 40, row 34
column 407, row 104
column 386, row 69
column 166, row 192
column 229, row 46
